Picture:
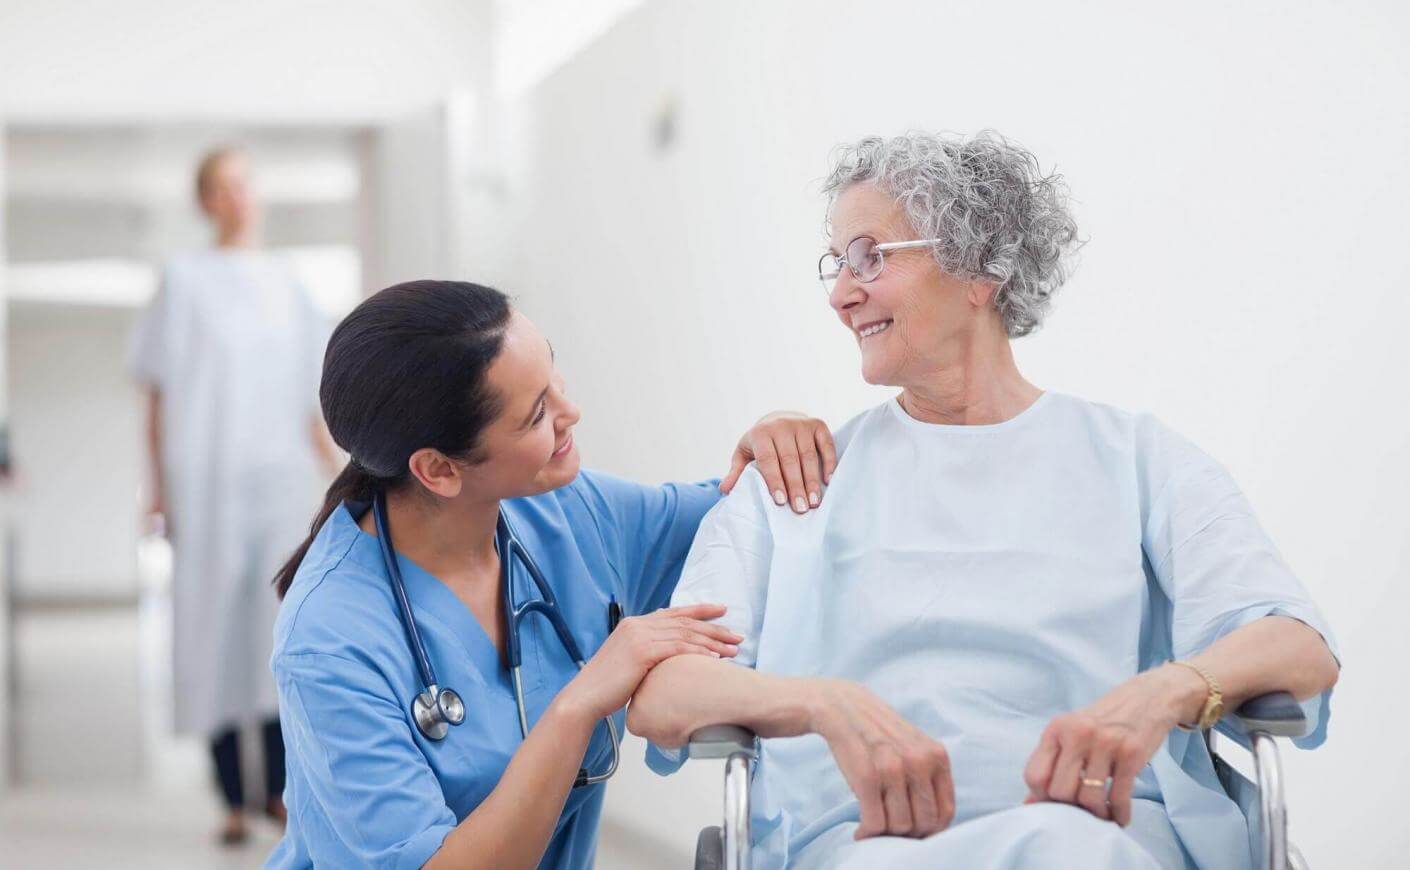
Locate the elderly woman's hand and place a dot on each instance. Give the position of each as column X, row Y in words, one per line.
column 794, row 453
column 1111, row 741
column 900, row 775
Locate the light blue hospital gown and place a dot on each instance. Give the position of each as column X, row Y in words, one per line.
column 982, row 580
column 235, row 345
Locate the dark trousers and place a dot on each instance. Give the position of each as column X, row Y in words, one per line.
column 225, row 750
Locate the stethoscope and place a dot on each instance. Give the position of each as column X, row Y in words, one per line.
column 435, row 709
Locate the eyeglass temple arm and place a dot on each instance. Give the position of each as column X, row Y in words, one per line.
column 897, row 246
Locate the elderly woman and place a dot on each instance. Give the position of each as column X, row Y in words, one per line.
column 991, row 644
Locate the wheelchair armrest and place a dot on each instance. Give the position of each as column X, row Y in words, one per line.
column 726, row 847
column 1276, row 713
column 1261, row 720
column 720, row 741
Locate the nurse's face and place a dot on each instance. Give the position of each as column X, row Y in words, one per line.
column 914, row 315
column 529, row 448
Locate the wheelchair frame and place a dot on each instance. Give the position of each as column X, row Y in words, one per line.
column 1263, row 719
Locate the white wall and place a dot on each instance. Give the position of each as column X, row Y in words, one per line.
column 76, row 419
column 6, row 633
column 1240, row 170
column 406, row 163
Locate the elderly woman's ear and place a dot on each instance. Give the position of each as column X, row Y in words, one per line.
column 980, row 293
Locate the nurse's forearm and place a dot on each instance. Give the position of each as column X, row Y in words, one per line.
column 513, row 825
column 686, row 693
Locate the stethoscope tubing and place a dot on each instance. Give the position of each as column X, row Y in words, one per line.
column 389, row 560
column 508, row 545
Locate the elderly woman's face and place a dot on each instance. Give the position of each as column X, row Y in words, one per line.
column 904, row 320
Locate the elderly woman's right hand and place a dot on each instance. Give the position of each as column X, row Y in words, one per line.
column 901, row 776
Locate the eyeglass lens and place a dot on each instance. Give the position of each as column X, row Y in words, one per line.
column 862, row 257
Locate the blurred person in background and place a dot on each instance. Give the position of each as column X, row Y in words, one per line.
column 229, row 353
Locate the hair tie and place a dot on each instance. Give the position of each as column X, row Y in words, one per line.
column 362, row 468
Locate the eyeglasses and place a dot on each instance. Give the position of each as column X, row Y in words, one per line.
column 863, row 257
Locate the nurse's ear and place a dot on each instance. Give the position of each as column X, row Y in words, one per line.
column 436, row 472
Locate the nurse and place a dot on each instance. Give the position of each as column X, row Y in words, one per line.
column 449, row 403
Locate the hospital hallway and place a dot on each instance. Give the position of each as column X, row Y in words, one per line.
column 99, row 783
column 103, row 766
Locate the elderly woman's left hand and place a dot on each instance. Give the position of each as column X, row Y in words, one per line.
column 1115, row 737
column 794, row 453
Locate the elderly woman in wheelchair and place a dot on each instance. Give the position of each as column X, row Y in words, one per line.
column 998, row 641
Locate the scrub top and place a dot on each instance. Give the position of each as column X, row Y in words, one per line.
column 365, row 788
column 983, row 580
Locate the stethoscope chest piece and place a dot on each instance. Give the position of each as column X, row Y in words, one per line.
column 436, row 710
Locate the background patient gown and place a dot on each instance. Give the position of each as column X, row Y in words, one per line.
column 235, row 345
column 982, row 580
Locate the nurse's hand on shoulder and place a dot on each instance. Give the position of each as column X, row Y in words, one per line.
column 900, row 775
column 794, row 453
column 637, row 645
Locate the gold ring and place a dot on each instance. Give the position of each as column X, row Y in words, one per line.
column 1094, row 783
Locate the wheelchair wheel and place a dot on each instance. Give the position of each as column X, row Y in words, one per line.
column 710, row 849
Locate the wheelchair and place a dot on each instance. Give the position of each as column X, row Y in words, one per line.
column 1277, row 714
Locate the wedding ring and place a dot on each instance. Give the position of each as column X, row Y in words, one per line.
column 1094, row 783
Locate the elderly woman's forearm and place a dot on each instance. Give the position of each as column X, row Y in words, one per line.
column 1272, row 654
column 688, row 692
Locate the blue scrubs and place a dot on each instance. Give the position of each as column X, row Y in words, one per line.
column 365, row 788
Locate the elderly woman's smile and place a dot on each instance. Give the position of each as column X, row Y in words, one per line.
column 876, row 327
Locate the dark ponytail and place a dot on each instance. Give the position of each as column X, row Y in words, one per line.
column 404, row 371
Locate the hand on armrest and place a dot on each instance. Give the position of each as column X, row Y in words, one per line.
column 878, row 752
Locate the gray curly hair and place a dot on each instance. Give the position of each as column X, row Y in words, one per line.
column 996, row 214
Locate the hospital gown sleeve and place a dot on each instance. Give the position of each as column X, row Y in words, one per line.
column 649, row 532
column 728, row 564
column 149, row 350
column 371, row 786
column 1212, row 558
